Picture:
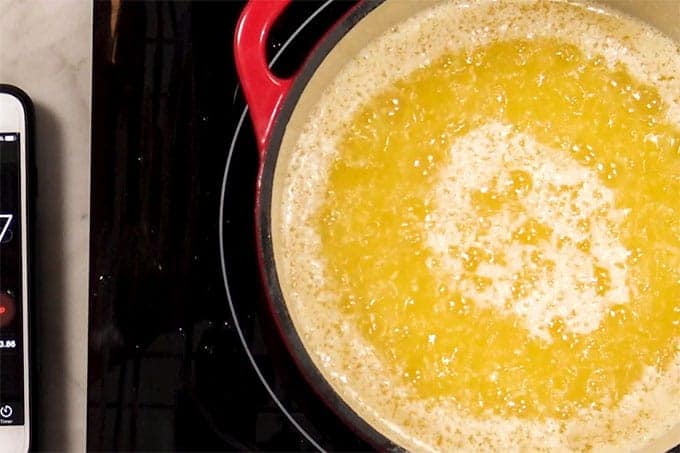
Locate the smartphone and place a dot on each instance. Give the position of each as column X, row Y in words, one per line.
column 15, row 297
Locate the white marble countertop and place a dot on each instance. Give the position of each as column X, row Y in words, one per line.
column 45, row 49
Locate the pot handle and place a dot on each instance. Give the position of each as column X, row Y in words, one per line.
column 264, row 91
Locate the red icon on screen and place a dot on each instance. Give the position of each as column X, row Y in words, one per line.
column 8, row 309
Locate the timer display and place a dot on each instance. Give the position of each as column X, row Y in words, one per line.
column 5, row 223
column 11, row 282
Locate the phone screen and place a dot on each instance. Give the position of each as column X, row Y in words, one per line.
column 11, row 312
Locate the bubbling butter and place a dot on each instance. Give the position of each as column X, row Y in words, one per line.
column 480, row 243
column 536, row 226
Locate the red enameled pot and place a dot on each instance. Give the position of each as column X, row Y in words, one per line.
column 278, row 109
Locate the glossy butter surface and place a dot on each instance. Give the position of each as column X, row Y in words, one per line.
column 442, row 328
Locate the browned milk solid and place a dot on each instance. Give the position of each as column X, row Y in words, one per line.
column 341, row 348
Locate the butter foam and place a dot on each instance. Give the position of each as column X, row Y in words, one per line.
column 336, row 345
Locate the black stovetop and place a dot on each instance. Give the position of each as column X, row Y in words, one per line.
column 183, row 354
column 168, row 369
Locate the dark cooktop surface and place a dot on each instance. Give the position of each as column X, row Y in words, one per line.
column 183, row 354
column 179, row 360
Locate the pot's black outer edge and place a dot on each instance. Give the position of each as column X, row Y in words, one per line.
column 275, row 296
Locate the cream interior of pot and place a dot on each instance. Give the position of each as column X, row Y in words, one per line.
column 663, row 15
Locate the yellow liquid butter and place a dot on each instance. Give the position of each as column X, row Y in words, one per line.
column 500, row 228
column 374, row 227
